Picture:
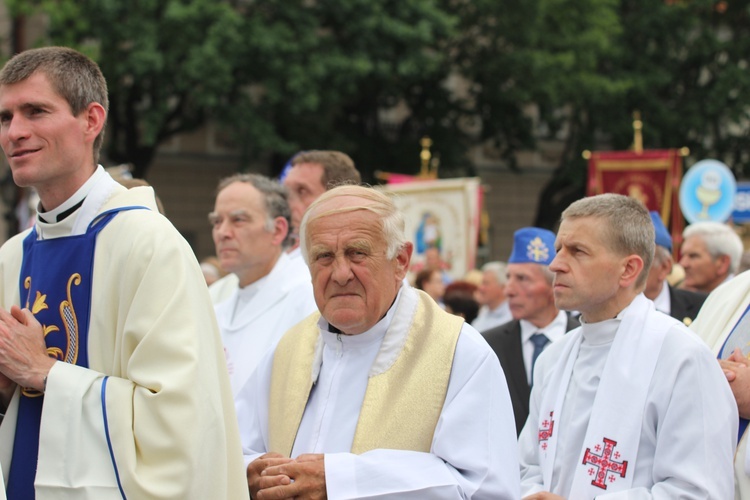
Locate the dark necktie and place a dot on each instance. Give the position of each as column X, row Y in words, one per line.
column 539, row 340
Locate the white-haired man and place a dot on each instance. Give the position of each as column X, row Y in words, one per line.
column 493, row 304
column 711, row 253
column 382, row 394
column 678, row 303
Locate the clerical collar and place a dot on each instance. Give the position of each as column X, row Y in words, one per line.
column 72, row 204
column 64, row 214
column 601, row 332
column 662, row 301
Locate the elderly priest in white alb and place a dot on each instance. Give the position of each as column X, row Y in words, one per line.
column 631, row 405
column 382, row 394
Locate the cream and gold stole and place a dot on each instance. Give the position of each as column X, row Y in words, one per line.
column 403, row 400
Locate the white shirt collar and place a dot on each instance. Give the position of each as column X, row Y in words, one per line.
column 553, row 331
column 390, row 336
column 662, row 301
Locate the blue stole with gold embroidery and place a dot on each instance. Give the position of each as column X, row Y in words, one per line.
column 55, row 281
column 739, row 337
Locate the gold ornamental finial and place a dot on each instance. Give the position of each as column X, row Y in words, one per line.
column 425, row 156
column 637, row 132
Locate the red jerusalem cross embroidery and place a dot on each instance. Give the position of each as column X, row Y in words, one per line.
column 546, row 431
column 604, row 464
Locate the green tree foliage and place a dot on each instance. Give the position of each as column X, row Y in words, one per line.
column 169, row 64
column 285, row 75
column 537, row 67
column 325, row 71
column 681, row 63
column 689, row 61
column 281, row 75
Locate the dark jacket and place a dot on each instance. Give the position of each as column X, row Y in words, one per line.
column 505, row 340
column 685, row 304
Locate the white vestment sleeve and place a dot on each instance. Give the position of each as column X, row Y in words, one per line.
column 169, row 406
column 251, row 404
column 152, row 415
column 692, row 418
column 474, row 450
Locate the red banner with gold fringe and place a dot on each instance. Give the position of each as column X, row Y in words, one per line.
column 652, row 176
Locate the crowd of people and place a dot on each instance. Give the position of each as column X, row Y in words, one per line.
column 318, row 364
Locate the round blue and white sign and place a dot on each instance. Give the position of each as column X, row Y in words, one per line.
column 707, row 192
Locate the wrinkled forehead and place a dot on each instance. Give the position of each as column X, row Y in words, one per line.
column 341, row 206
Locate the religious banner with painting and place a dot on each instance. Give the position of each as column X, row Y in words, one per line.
column 442, row 221
column 652, row 176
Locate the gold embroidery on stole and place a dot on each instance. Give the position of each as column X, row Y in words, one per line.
column 70, row 321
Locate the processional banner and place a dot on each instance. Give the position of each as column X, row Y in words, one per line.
column 651, row 176
column 442, row 214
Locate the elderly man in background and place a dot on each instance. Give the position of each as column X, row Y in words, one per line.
column 536, row 321
column 493, row 305
column 250, row 229
column 309, row 175
column 680, row 304
column 631, row 404
column 711, row 253
column 382, row 394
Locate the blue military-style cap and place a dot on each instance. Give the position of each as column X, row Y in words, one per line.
column 663, row 238
column 532, row 245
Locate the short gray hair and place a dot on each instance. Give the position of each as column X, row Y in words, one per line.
column 626, row 223
column 275, row 198
column 719, row 239
column 661, row 255
column 381, row 204
column 498, row 269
